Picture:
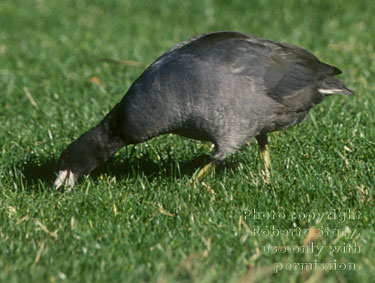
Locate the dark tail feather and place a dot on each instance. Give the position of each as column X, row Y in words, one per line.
column 333, row 85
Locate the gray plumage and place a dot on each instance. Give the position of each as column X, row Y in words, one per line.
column 223, row 87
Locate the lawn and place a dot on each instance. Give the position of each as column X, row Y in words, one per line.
column 140, row 217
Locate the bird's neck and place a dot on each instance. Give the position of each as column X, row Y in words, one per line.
column 111, row 134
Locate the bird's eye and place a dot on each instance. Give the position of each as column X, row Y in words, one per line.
column 65, row 157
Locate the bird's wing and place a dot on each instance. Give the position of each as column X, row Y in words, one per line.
column 291, row 69
column 283, row 68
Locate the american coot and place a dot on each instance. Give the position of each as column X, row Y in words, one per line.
column 224, row 87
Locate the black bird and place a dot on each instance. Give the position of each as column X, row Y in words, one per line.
column 224, row 87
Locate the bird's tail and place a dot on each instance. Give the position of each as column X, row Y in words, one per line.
column 333, row 85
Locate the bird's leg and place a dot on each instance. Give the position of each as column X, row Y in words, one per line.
column 265, row 155
column 205, row 170
column 216, row 159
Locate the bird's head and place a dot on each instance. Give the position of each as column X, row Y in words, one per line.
column 81, row 157
column 87, row 152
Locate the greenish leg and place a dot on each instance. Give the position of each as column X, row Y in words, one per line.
column 205, row 171
column 265, row 155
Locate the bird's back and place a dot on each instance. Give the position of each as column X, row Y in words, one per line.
column 224, row 85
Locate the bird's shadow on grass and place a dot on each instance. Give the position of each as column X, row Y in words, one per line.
column 149, row 168
column 35, row 171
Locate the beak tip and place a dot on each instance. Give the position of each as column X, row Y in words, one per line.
column 65, row 177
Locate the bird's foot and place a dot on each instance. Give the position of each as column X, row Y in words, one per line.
column 266, row 176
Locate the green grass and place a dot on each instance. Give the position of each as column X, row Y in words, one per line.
column 139, row 217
